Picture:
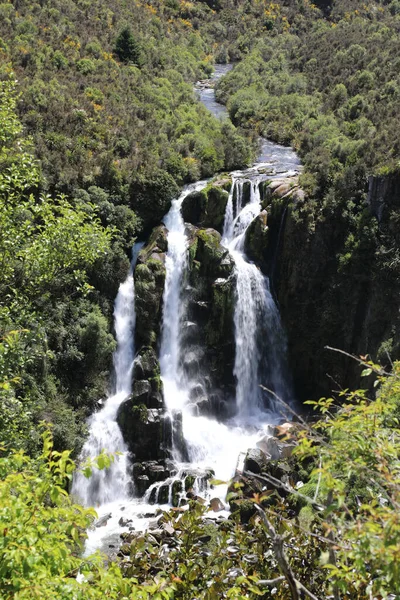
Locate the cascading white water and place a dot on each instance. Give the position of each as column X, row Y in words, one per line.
column 175, row 263
column 257, row 322
column 209, row 442
column 111, row 484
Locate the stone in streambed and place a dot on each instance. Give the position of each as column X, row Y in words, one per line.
column 102, row 522
column 216, row 505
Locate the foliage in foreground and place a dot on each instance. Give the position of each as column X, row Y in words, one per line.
column 340, row 531
column 55, row 346
column 41, row 534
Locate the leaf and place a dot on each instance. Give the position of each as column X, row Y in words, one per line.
column 217, row 482
column 366, row 372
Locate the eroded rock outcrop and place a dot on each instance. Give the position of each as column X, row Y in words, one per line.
column 335, row 279
column 208, row 327
column 206, row 208
column 149, row 287
column 147, row 430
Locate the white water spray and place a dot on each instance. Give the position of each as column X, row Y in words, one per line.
column 112, row 484
column 258, row 335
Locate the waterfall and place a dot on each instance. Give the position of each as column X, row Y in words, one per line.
column 210, row 443
column 175, row 264
column 259, row 338
column 111, row 484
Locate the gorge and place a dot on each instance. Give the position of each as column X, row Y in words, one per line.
column 183, row 268
column 221, row 378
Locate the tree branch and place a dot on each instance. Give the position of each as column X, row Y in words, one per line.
column 283, row 563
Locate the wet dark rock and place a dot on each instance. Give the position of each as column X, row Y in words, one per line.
column 156, row 473
column 141, row 391
column 145, row 430
column 206, row 208
column 256, row 239
column 245, row 193
column 142, row 483
column 177, row 488
column 256, row 460
column 146, row 365
column 163, row 494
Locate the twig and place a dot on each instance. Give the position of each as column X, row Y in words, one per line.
column 271, row 582
column 279, row 552
column 285, row 486
column 359, row 360
column 319, row 479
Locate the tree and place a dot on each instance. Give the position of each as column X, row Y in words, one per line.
column 126, row 47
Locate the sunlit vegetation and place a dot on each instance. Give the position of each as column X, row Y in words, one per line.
column 99, row 128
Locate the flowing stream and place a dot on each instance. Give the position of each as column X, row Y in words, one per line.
column 259, row 358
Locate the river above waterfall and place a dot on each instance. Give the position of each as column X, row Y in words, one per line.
column 211, row 443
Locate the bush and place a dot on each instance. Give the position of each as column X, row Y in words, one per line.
column 127, row 48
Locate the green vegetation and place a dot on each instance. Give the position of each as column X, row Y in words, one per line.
column 95, row 117
column 99, row 127
column 56, row 347
column 340, row 531
column 326, row 83
column 126, row 47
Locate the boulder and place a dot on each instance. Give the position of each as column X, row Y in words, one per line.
column 216, row 505
column 206, row 208
column 270, row 446
column 145, row 430
column 194, row 207
column 243, row 508
column 143, row 393
column 274, row 448
column 102, row 522
column 284, row 189
column 256, row 460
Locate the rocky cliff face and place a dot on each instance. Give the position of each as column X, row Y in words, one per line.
column 336, row 286
column 146, row 429
column 208, row 330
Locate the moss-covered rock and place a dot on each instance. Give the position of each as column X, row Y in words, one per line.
column 244, row 509
column 208, row 333
column 149, row 287
column 206, row 208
